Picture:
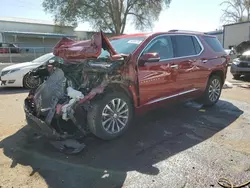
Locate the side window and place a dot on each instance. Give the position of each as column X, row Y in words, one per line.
column 161, row 45
column 184, row 46
column 214, row 43
column 197, row 46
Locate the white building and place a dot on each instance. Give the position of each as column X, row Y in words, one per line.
column 236, row 33
column 32, row 33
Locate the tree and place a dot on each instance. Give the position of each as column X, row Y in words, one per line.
column 234, row 11
column 108, row 15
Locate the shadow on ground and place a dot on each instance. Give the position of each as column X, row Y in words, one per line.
column 152, row 138
column 12, row 90
column 245, row 78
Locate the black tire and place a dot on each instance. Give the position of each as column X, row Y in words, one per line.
column 28, row 84
column 207, row 99
column 95, row 117
column 236, row 76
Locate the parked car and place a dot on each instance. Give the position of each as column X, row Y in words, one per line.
column 18, row 75
column 107, row 81
column 9, row 48
column 241, row 65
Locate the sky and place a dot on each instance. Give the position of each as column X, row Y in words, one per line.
column 195, row 15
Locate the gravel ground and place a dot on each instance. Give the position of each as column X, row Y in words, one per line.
column 179, row 146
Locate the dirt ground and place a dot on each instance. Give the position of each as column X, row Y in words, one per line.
column 180, row 146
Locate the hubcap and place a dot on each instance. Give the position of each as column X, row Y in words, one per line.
column 214, row 90
column 115, row 116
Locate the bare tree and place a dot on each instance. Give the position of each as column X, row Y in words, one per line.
column 247, row 5
column 234, row 11
column 108, row 15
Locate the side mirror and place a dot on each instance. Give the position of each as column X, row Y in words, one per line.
column 238, row 56
column 149, row 58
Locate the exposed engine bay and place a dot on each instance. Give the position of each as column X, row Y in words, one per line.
column 67, row 91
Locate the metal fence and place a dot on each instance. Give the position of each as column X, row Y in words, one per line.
column 22, row 54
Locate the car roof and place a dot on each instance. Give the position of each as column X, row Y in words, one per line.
column 159, row 33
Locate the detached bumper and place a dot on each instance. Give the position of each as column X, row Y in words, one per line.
column 41, row 127
column 239, row 70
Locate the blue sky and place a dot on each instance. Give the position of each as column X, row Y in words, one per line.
column 198, row 15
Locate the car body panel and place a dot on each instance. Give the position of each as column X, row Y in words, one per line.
column 189, row 80
column 69, row 49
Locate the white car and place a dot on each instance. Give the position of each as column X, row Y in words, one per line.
column 17, row 75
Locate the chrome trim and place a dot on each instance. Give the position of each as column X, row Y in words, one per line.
column 201, row 45
column 168, row 97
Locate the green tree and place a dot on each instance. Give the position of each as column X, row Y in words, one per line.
column 108, row 15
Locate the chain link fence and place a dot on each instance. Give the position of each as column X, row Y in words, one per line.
column 22, row 54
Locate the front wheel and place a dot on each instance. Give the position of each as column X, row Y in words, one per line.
column 110, row 117
column 213, row 91
column 30, row 82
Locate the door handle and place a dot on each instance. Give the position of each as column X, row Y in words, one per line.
column 174, row 66
column 204, row 60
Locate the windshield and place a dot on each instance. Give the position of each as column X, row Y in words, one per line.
column 43, row 58
column 123, row 45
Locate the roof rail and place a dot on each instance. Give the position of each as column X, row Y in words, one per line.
column 185, row 31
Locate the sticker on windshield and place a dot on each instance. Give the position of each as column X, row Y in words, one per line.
column 134, row 41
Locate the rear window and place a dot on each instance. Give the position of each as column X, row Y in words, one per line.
column 214, row 43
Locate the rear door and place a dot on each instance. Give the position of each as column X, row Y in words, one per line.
column 187, row 50
column 157, row 80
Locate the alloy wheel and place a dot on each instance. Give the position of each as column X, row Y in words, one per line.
column 214, row 90
column 115, row 116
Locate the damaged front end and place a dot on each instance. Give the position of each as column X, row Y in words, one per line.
column 57, row 108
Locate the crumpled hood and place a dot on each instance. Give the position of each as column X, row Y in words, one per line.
column 21, row 65
column 69, row 49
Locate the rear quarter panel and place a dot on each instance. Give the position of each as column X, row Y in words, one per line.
column 215, row 61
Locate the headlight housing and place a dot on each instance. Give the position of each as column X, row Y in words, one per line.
column 9, row 71
column 236, row 62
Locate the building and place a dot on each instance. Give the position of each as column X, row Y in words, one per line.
column 29, row 33
column 236, row 33
column 218, row 34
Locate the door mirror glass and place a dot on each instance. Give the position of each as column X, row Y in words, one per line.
column 149, row 58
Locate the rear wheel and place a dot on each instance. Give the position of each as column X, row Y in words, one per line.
column 30, row 82
column 110, row 117
column 213, row 91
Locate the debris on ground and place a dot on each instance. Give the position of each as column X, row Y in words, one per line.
column 69, row 146
column 227, row 85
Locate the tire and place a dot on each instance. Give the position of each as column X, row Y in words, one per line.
column 99, row 114
column 30, row 83
column 212, row 92
column 236, row 76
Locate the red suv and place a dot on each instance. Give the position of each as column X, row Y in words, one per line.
column 104, row 82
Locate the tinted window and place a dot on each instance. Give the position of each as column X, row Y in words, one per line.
column 197, row 46
column 184, row 46
column 214, row 43
column 162, row 46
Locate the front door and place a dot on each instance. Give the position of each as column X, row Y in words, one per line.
column 157, row 80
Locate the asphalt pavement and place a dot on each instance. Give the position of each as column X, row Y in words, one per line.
column 184, row 145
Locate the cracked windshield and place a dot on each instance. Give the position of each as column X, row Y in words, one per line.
column 124, row 93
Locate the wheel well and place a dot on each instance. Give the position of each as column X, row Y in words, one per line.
column 119, row 88
column 219, row 73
